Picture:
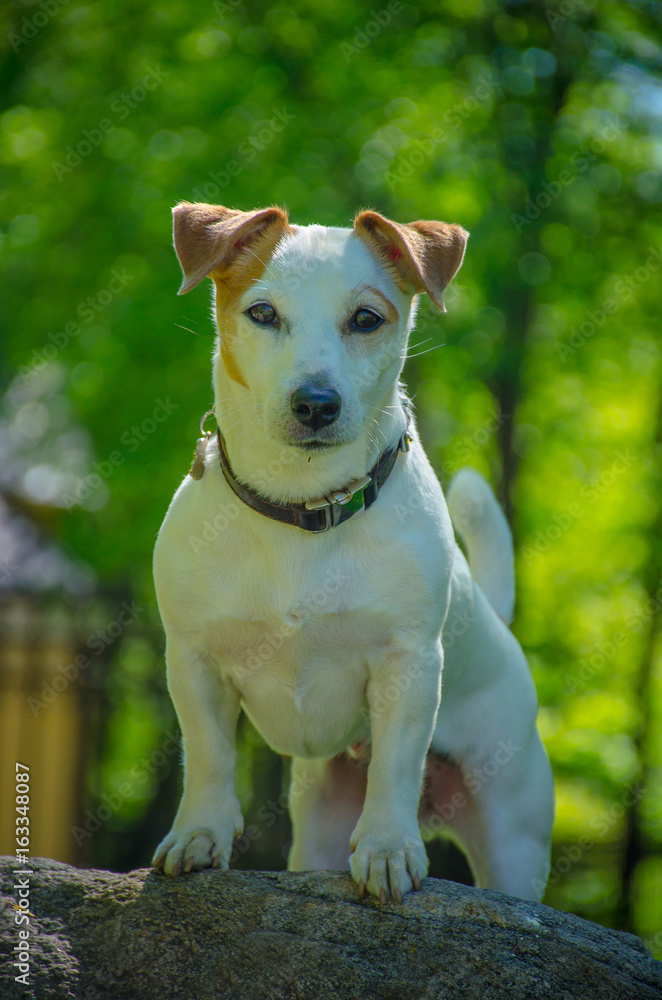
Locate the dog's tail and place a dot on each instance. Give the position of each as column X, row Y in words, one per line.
column 478, row 518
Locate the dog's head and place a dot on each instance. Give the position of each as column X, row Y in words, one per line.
column 313, row 321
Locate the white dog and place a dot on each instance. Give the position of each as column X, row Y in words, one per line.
column 307, row 575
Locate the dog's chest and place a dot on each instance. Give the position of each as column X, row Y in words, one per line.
column 302, row 678
column 293, row 622
column 296, row 649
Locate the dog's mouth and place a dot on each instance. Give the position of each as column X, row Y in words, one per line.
column 315, row 444
column 304, row 439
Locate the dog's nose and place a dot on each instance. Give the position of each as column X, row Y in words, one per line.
column 315, row 407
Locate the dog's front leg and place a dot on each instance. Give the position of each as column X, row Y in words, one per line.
column 388, row 856
column 209, row 814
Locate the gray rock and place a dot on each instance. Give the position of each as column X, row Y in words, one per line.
column 272, row 935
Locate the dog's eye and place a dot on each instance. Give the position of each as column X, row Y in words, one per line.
column 366, row 320
column 262, row 312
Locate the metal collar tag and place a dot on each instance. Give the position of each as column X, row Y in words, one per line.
column 198, row 464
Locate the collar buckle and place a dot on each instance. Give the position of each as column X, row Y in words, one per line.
column 317, row 504
column 328, row 518
column 341, row 497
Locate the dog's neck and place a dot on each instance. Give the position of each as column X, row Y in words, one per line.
column 282, row 473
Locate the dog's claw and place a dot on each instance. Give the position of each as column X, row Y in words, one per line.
column 416, row 882
column 397, row 895
column 361, row 889
column 188, row 867
column 382, row 895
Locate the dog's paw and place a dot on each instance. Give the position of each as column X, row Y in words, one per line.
column 386, row 861
column 191, row 847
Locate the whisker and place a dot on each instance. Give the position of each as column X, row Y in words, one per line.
column 253, row 440
column 379, row 430
column 188, row 329
column 436, row 346
column 231, row 427
column 234, row 409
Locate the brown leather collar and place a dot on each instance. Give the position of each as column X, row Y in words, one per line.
column 329, row 511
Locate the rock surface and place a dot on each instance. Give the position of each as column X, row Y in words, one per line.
column 246, row 935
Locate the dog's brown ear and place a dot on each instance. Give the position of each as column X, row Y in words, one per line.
column 423, row 256
column 211, row 238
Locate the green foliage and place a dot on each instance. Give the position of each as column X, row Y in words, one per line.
column 538, row 129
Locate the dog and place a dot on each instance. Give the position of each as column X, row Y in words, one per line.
column 307, row 571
